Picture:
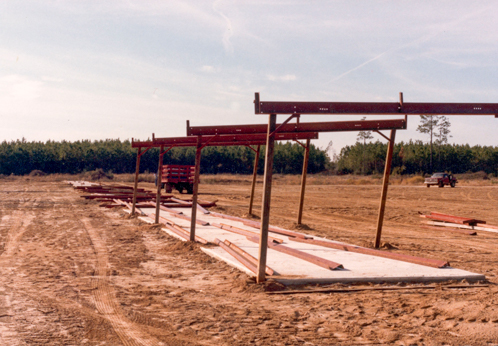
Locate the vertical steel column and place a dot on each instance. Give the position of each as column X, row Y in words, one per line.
column 385, row 183
column 158, row 182
column 254, row 174
column 196, row 187
column 265, row 207
column 303, row 180
column 135, row 186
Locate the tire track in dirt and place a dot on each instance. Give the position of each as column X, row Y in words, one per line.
column 467, row 196
column 105, row 297
column 16, row 225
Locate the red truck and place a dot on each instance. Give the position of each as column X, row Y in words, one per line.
column 180, row 177
column 441, row 179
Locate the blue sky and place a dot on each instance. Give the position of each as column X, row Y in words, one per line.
column 120, row 69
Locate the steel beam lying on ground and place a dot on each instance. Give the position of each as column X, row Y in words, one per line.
column 243, row 232
column 484, row 227
column 248, row 264
column 453, row 219
column 178, row 230
column 252, row 259
column 322, row 262
column 366, row 251
column 257, row 224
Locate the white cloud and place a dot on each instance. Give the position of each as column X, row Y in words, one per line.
column 228, row 30
column 283, row 78
column 20, row 88
column 208, row 69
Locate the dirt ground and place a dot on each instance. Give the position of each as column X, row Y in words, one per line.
column 73, row 273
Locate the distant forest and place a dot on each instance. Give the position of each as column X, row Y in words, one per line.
column 414, row 158
column 113, row 155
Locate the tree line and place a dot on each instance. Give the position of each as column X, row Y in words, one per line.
column 414, row 157
column 113, row 155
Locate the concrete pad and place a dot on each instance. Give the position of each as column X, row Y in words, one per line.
column 291, row 270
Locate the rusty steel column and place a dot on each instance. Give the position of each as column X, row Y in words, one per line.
column 303, row 180
column 196, row 187
column 254, row 175
column 385, row 184
column 265, row 207
column 158, row 182
column 135, row 186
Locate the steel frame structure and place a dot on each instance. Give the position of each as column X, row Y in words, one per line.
column 200, row 142
column 272, row 132
column 272, row 108
column 298, row 127
column 262, row 134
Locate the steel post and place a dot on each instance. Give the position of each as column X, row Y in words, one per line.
column 158, row 182
column 265, row 207
column 196, row 187
column 135, row 186
column 254, row 175
column 385, row 184
column 303, row 181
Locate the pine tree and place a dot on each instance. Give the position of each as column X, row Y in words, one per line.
column 438, row 127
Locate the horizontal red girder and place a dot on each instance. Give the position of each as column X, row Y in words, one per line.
column 223, row 140
column 330, row 126
column 380, row 108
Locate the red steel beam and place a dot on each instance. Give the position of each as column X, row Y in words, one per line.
column 452, row 219
column 379, row 108
column 456, row 219
column 179, row 230
column 248, row 256
column 319, row 261
column 242, row 231
column 257, row 224
column 327, row 126
column 239, row 257
column 231, row 139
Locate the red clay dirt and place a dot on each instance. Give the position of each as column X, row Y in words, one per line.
column 76, row 274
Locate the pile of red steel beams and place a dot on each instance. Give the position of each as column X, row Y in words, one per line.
column 122, row 195
column 458, row 223
column 453, row 219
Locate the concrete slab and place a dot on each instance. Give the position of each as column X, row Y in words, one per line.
column 291, row 270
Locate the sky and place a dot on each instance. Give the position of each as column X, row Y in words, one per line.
column 74, row 70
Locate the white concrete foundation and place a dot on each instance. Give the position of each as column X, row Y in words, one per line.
column 291, row 270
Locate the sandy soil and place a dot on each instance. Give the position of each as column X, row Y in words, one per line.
column 76, row 274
